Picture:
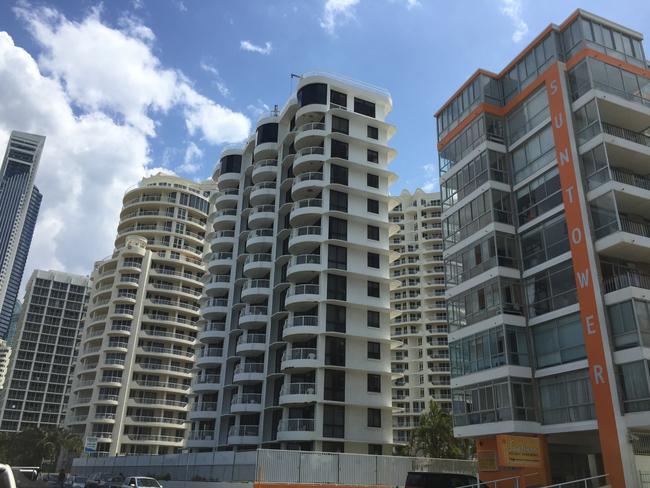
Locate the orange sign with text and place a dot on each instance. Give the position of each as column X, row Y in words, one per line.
column 517, row 451
column 584, row 276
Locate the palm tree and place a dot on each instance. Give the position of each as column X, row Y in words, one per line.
column 434, row 436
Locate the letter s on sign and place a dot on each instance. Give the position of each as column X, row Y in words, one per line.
column 553, row 87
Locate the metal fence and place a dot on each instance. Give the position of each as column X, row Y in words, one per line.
column 645, row 479
column 349, row 469
column 271, row 465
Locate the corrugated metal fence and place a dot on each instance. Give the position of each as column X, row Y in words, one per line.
column 271, row 465
column 349, row 469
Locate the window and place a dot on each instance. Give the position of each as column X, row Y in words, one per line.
column 312, row 93
column 373, row 232
column 373, row 132
column 373, row 206
column 373, row 289
column 364, row 107
column 374, row 417
column 373, row 156
column 533, row 154
column 551, row 289
column 539, row 196
column 334, row 351
column 231, row 164
column 339, row 99
column 336, row 287
column 333, row 421
column 374, row 350
column 373, row 260
column 633, row 383
column 337, row 257
column 338, row 229
column 334, row 389
column 373, row 318
column 559, row 341
column 340, row 124
column 335, row 318
column 372, row 181
column 267, row 133
column 338, row 201
column 528, row 114
column 339, row 174
column 374, row 383
column 339, row 149
column 545, row 241
column 566, row 398
column 630, row 323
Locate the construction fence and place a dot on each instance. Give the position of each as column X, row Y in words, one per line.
column 274, row 466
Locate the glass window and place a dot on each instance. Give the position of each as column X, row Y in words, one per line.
column 373, row 260
column 559, row 341
column 267, row 133
column 630, row 323
column 338, row 201
column 339, row 99
column 231, row 164
column 312, row 93
column 337, row 257
column 334, row 351
column 364, row 107
column 339, row 149
column 336, row 287
column 545, row 241
column 339, row 124
column 566, row 398
column 551, row 289
column 373, row 132
column 374, row 383
column 533, row 154
column 334, row 421
column 338, row 229
column 373, row 232
column 339, row 174
column 335, row 318
column 373, row 318
column 539, row 196
column 373, row 205
column 373, row 289
column 334, row 389
column 633, row 383
column 372, row 180
column 374, row 350
column 373, row 156
column 528, row 115
column 374, row 417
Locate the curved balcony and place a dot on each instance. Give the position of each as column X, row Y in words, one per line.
column 308, row 159
column 165, row 440
column 302, row 296
column 297, row 393
column 305, row 210
column 307, row 184
column 214, row 308
column 304, row 266
column 206, row 382
column 224, row 219
column 257, row 265
column 165, row 352
column 299, row 359
column 296, row 430
column 217, row 283
column 259, row 240
column 263, row 193
column 227, row 198
column 262, row 216
column 107, row 399
column 248, row 372
column 203, row 410
column 255, row 290
column 264, row 170
column 209, row 356
column 219, row 262
column 304, row 238
column 173, row 336
column 253, row 316
column 158, row 402
column 152, row 421
column 213, row 329
column 228, row 180
column 246, row 402
column 182, row 388
column 201, row 439
column 244, row 434
column 222, row 240
column 164, row 368
column 301, row 327
column 251, row 344
column 310, row 134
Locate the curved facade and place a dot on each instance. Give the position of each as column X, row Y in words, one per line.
column 420, row 311
column 136, row 357
column 296, row 307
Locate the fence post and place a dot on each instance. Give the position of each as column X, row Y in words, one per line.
column 338, row 468
column 299, row 467
column 376, row 470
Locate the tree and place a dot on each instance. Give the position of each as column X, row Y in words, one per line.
column 434, row 436
column 33, row 446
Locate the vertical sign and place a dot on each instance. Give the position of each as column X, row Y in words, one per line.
column 584, row 276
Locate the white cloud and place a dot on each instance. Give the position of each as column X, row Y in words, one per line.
column 253, row 48
column 512, row 10
column 259, row 109
column 218, row 81
column 431, row 178
column 337, row 12
column 181, row 6
column 192, row 159
column 412, row 4
column 97, row 149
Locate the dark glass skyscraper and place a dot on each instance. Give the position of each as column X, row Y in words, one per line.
column 20, row 202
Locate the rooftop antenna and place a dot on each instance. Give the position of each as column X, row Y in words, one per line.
column 293, row 75
column 275, row 110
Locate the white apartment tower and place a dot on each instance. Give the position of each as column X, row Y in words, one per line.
column 137, row 352
column 5, row 356
column 37, row 385
column 419, row 318
column 296, row 335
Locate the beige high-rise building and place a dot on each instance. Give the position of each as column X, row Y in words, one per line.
column 419, row 318
column 137, row 352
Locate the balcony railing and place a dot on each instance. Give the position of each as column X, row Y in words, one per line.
column 312, row 126
column 307, row 230
column 311, row 150
column 259, row 283
column 249, row 368
column 244, row 430
column 211, row 352
column 307, row 289
column 303, row 321
column 298, row 389
column 207, row 378
column 247, row 398
column 205, row 407
column 307, row 202
column 305, row 259
column 251, row 339
column 300, row 353
column 201, row 435
column 296, row 425
column 627, row 279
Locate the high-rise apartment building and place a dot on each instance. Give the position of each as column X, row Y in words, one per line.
column 546, row 222
column 295, row 342
column 20, row 201
column 419, row 319
column 137, row 351
column 5, row 356
column 38, row 382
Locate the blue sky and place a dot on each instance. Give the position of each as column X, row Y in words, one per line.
column 125, row 86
